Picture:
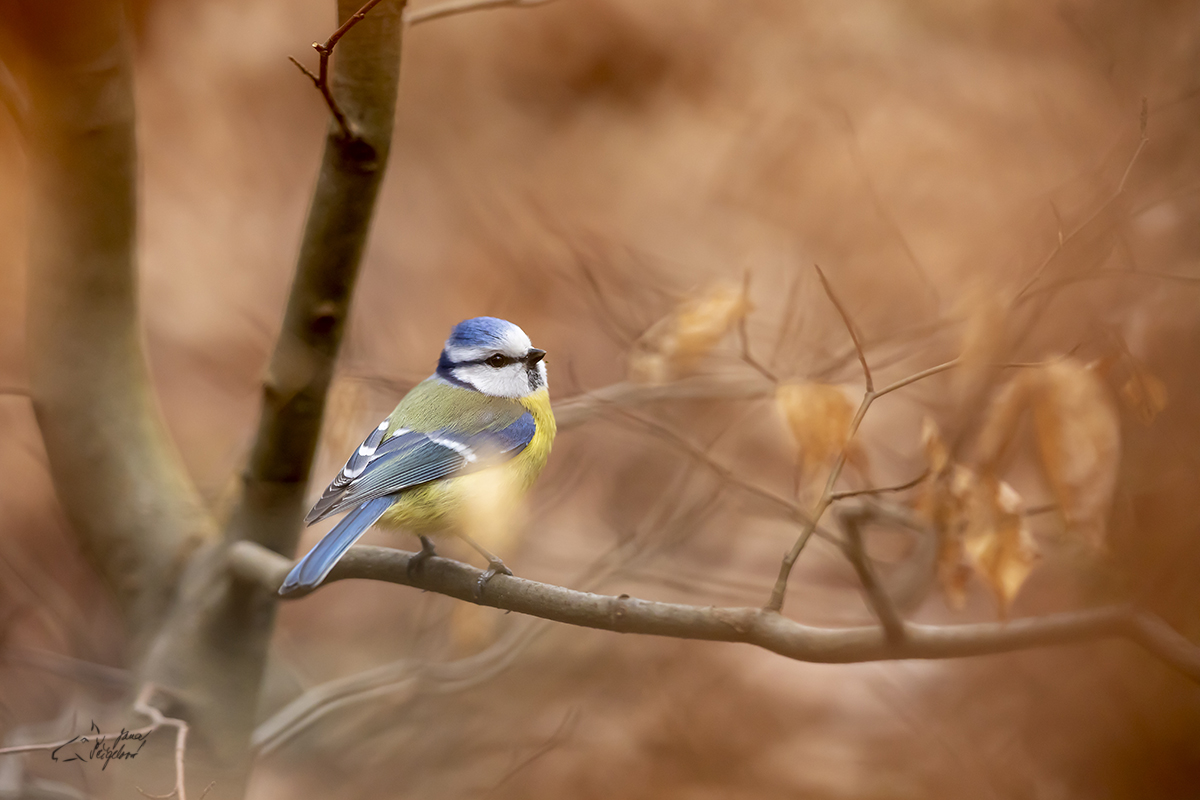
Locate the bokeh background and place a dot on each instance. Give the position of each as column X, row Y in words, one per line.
column 579, row 168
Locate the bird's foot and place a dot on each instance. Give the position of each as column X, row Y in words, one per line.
column 417, row 562
column 495, row 567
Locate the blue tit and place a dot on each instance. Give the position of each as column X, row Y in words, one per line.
column 485, row 408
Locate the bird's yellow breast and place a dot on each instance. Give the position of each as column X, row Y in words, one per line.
column 445, row 506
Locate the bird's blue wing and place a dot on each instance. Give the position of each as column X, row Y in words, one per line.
column 315, row 566
column 373, row 448
column 381, row 468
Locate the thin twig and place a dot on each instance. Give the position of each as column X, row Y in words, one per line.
column 850, row 326
column 920, row 376
column 1022, row 294
column 723, row 471
column 775, row 603
column 456, row 7
column 882, row 489
column 745, row 339
column 321, row 78
column 142, row 706
column 877, row 597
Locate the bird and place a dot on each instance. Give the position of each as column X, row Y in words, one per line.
column 485, row 408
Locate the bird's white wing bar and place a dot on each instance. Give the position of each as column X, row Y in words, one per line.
column 409, row 458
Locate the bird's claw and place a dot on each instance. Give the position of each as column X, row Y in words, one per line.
column 417, row 562
column 495, row 568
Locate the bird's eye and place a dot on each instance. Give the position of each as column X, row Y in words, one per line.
column 496, row 361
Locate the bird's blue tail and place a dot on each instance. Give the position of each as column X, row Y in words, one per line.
column 314, row 567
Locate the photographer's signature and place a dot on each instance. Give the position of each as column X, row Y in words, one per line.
column 96, row 746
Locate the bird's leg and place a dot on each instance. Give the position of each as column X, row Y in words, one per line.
column 417, row 562
column 495, row 565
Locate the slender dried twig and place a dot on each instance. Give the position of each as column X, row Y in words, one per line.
column 1023, row 293
column 877, row 597
column 455, row 7
column 747, row 356
column 724, row 472
column 321, row 78
column 870, row 395
column 756, row 626
column 900, row 487
column 142, row 706
column 850, row 326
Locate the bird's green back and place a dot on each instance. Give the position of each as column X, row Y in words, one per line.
column 433, row 404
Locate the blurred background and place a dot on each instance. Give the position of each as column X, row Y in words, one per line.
column 581, row 168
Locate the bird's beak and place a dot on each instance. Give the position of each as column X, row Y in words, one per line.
column 534, row 356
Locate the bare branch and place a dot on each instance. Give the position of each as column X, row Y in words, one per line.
column 882, row 489
column 791, row 511
column 850, row 327
column 877, row 597
column 775, row 603
column 575, row 411
column 116, row 471
column 759, row 627
column 143, row 706
column 276, row 478
column 745, row 339
column 920, row 376
column 455, row 7
column 220, row 685
column 321, row 78
column 1023, row 293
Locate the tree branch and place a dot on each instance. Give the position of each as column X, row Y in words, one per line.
column 143, row 706
column 213, row 650
column 762, row 628
column 366, row 77
column 321, row 78
column 877, row 597
column 575, row 411
column 117, row 473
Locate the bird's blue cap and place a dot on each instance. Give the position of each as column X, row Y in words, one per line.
column 479, row 332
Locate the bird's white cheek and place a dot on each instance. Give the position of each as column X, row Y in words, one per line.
column 510, row 381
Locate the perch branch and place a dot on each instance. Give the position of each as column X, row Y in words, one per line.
column 367, row 71
column 755, row 626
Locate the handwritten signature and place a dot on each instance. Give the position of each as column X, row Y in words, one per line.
column 104, row 748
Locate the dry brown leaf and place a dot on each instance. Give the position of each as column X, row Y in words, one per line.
column 1144, row 393
column 983, row 344
column 979, row 526
column 819, row 417
column 1002, row 417
column 940, row 504
column 937, row 455
column 997, row 542
column 1079, row 437
column 674, row 346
